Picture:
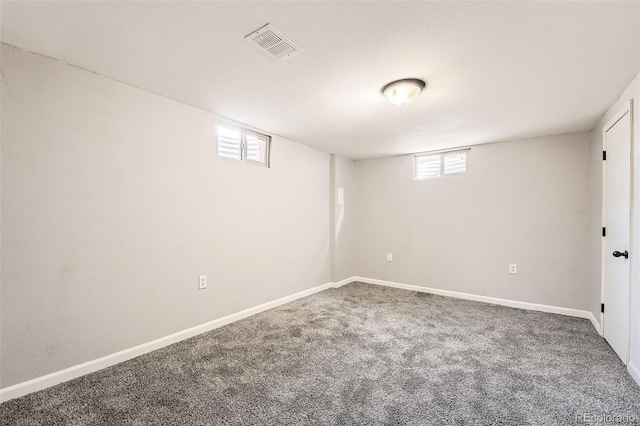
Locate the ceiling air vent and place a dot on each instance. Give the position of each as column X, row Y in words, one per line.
column 271, row 41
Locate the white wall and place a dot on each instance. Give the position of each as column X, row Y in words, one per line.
column 523, row 202
column 114, row 201
column 345, row 218
column 631, row 92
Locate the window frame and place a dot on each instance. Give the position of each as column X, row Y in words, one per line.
column 267, row 148
column 441, row 156
column 243, row 144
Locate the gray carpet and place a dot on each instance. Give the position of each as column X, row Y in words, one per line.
column 360, row 354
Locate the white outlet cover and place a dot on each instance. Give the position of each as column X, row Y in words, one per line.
column 389, row 257
column 202, row 282
column 513, row 268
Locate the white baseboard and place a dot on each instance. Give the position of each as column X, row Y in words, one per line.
column 486, row 299
column 634, row 372
column 70, row 373
column 596, row 323
column 345, row 282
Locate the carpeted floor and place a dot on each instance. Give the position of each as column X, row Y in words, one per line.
column 361, row 354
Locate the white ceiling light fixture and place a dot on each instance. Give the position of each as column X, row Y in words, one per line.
column 401, row 92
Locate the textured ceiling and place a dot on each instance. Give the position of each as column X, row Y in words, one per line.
column 496, row 70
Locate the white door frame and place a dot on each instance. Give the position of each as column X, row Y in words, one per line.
column 626, row 108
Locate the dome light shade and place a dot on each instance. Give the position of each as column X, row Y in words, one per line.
column 401, row 92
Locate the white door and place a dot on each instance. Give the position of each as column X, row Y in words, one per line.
column 616, row 219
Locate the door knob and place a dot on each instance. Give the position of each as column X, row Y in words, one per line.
column 618, row 254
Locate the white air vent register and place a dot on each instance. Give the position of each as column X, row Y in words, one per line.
column 271, row 41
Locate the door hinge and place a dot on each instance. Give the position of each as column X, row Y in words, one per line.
column 604, row 231
column 604, row 155
column 602, row 308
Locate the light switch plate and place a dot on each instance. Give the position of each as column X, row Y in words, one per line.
column 341, row 196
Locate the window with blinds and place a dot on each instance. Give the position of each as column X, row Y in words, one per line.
column 256, row 147
column 454, row 163
column 229, row 143
column 240, row 144
column 429, row 166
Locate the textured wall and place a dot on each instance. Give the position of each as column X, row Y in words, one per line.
column 523, row 202
column 114, row 201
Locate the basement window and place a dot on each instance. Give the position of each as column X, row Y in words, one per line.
column 236, row 143
column 430, row 166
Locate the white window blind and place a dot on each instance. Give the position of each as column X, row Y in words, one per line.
column 244, row 145
column 256, row 147
column 455, row 163
column 429, row 166
column 229, row 143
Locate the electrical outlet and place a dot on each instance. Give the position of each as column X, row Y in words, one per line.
column 389, row 257
column 202, row 282
column 513, row 268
